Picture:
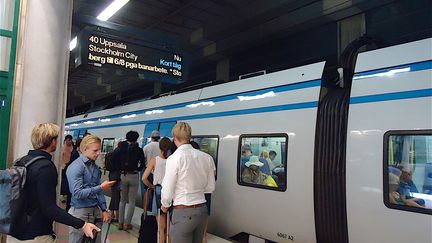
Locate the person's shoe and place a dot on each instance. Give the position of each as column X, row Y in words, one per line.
column 120, row 227
column 128, row 227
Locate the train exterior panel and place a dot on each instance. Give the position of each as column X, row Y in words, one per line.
column 391, row 91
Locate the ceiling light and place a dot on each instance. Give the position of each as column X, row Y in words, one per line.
column 105, row 120
column 73, row 43
column 111, row 9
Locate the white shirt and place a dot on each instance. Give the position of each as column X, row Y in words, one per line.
column 189, row 174
column 151, row 150
column 159, row 170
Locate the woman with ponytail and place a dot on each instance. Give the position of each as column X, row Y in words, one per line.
column 157, row 166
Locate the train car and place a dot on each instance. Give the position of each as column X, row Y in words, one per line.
column 327, row 152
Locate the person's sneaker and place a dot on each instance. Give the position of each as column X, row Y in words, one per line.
column 128, row 227
column 120, row 227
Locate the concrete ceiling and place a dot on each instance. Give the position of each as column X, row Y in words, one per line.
column 204, row 31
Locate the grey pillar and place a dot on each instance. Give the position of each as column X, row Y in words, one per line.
column 223, row 70
column 350, row 29
column 40, row 85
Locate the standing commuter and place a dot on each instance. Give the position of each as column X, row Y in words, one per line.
column 189, row 174
column 67, row 150
column 131, row 163
column 87, row 191
column 113, row 166
column 151, row 150
column 158, row 165
column 40, row 190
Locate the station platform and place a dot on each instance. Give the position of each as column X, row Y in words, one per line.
column 121, row 236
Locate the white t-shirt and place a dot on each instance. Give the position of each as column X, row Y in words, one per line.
column 151, row 150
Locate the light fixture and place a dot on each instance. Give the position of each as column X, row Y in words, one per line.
column 89, row 122
column 111, row 9
column 73, row 43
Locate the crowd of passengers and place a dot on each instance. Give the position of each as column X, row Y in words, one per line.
column 261, row 170
column 178, row 175
column 401, row 187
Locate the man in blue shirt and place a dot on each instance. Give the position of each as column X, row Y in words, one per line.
column 84, row 183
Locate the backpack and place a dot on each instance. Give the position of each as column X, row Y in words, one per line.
column 109, row 162
column 12, row 200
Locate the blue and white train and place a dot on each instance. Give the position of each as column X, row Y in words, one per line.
column 348, row 162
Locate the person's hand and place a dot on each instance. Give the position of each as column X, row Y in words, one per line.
column 107, row 184
column 106, row 216
column 164, row 209
column 88, row 229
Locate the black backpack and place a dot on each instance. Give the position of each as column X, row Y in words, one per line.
column 13, row 198
column 109, row 162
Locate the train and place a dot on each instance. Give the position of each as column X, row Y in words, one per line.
column 338, row 146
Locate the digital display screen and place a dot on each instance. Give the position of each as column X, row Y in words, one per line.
column 107, row 52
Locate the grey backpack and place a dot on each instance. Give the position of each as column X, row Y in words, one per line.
column 12, row 199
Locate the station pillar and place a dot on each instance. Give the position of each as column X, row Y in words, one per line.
column 41, row 69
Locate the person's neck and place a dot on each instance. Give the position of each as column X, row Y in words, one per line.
column 48, row 150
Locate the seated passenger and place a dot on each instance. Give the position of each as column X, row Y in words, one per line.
column 394, row 196
column 275, row 167
column 407, row 186
column 246, row 153
column 253, row 174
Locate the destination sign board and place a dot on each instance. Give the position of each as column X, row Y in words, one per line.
column 107, row 52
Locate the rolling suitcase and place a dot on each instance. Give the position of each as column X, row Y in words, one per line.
column 149, row 228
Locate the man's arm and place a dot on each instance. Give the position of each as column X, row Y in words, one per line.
column 169, row 182
column 46, row 198
column 211, row 177
column 141, row 159
column 75, row 176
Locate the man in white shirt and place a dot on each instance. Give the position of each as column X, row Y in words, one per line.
column 151, row 150
column 188, row 175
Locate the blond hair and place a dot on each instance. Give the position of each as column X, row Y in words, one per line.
column 182, row 131
column 89, row 139
column 43, row 134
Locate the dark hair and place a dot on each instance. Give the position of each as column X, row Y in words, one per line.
column 173, row 147
column 68, row 137
column 78, row 143
column 165, row 146
column 272, row 152
column 132, row 136
column 195, row 145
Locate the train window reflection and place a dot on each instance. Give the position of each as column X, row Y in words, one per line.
column 262, row 161
column 408, row 171
column 209, row 145
column 107, row 145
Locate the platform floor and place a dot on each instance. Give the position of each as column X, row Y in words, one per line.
column 120, row 236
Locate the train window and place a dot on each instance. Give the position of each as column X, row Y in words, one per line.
column 107, row 145
column 408, row 170
column 208, row 144
column 262, row 161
